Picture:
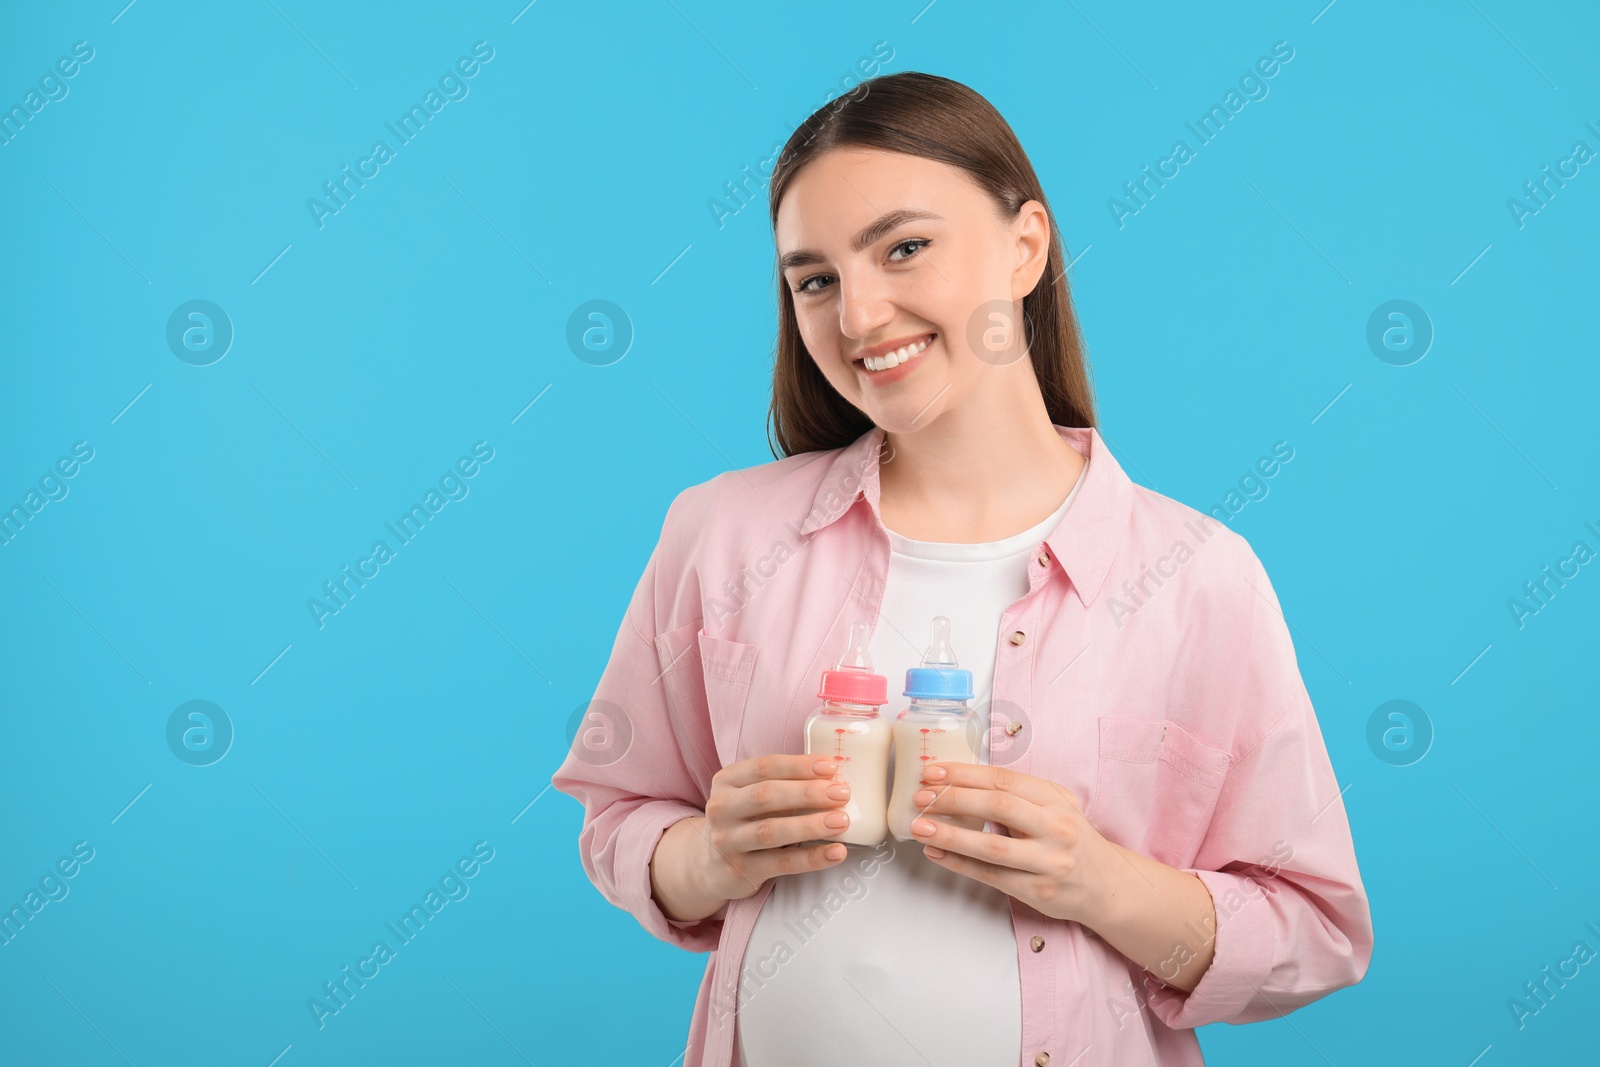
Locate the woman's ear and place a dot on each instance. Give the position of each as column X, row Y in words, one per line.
column 1031, row 232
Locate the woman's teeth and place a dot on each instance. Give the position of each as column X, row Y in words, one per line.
column 897, row 357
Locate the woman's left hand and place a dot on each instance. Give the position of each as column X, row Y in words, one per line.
column 1054, row 861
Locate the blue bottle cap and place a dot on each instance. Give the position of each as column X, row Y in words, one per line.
column 939, row 678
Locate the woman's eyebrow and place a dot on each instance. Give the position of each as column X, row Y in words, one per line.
column 876, row 229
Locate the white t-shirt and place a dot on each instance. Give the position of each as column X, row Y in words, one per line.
column 831, row 972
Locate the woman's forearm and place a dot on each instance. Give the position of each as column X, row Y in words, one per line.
column 678, row 869
column 1159, row 917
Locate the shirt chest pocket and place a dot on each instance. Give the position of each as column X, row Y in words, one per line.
column 1156, row 787
column 698, row 672
column 728, row 667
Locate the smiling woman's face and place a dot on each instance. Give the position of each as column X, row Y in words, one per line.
column 890, row 258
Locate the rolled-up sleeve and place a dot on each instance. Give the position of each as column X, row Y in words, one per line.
column 1293, row 922
column 627, row 764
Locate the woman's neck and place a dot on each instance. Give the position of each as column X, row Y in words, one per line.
column 980, row 472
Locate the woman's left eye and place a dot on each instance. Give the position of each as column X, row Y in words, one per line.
column 911, row 241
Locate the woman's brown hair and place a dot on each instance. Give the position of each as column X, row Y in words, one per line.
column 940, row 119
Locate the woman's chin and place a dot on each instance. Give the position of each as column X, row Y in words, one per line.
column 906, row 418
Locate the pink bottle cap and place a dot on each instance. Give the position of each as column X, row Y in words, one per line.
column 851, row 681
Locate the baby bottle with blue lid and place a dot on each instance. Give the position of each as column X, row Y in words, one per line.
column 938, row 725
column 848, row 730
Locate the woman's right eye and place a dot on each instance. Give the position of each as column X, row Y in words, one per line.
column 801, row 288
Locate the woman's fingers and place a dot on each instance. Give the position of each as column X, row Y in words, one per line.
column 760, row 807
column 1021, row 816
column 777, row 765
column 1021, row 854
column 781, row 831
column 777, row 784
column 775, row 814
column 784, row 797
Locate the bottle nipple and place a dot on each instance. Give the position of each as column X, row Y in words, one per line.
column 852, row 680
column 856, row 657
column 939, row 653
column 940, row 677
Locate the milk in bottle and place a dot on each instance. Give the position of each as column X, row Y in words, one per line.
column 848, row 730
column 938, row 724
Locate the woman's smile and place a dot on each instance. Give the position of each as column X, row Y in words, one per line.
column 895, row 364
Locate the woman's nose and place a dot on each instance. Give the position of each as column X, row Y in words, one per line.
column 864, row 308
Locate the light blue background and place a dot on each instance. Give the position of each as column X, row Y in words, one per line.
column 427, row 314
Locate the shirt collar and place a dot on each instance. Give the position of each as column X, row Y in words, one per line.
column 1084, row 542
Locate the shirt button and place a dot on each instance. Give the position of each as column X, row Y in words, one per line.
column 1017, row 637
column 1013, row 728
column 1044, row 559
column 1037, row 943
column 1042, row 1059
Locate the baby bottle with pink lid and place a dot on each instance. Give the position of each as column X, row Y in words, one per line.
column 848, row 730
column 938, row 724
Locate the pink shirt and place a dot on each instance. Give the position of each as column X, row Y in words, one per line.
column 1149, row 667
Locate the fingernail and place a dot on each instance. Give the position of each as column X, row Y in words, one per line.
column 921, row 826
column 933, row 851
column 933, row 773
column 834, row 852
column 839, row 790
column 823, row 766
column 923, row 798
column 836, row 818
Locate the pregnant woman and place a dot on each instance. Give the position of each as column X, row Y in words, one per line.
column 1163, row 844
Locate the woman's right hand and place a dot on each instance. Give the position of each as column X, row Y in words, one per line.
column 751, row 821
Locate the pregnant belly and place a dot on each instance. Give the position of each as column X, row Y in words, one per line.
column 837, row 960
